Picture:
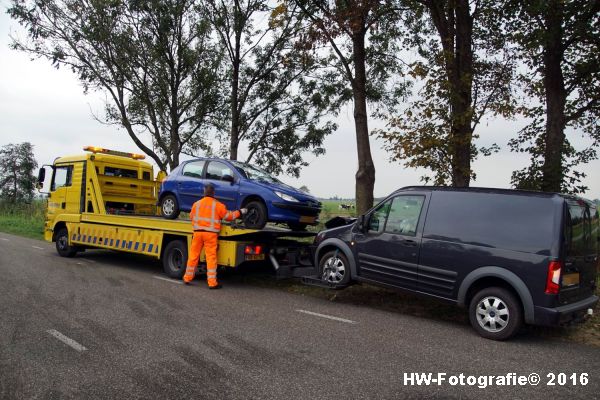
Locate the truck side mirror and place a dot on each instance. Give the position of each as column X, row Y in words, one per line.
column 41, row 177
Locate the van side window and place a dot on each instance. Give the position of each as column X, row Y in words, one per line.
column 62, row 177
column 377, row 218
column 194, row 169
column 404, row 215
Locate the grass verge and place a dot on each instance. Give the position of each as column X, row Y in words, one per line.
column 23, row 219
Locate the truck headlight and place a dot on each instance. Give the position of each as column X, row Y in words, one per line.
column 286, row 197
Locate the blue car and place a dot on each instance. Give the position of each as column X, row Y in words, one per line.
column 238, row 185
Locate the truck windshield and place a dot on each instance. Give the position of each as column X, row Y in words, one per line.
column 254, row 173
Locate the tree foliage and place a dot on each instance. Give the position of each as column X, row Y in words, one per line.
column 275, row 91
column 17, row 163
column 559, row 43
column 154, row 59
column 362, row 37
column 463, row 70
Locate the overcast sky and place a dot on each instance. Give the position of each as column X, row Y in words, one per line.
column 47, row 107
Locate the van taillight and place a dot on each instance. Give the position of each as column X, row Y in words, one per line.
column 553, row 277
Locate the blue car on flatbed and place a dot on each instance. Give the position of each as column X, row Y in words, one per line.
column 238, row 185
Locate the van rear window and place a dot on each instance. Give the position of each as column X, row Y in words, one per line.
column 581, row 229
column 511, row 222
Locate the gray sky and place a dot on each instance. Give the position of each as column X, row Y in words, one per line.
column 47, row 107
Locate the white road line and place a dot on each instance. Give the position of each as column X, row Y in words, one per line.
column 168, row 280
column 66, row 340
column 39, row 248
column 5, row 239
column 327, row 316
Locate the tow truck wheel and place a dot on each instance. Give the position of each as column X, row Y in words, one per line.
column 62, row 244
column 175, row 259
column 169, row 207
column 334, row 268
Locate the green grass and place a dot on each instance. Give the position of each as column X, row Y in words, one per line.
column 23, row 219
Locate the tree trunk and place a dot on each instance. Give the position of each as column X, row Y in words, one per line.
column 461, row 135
column 234, row 140
column 365, row 176
column 554, row 85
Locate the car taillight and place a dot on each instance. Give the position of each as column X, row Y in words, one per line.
column 553, row 279
column 253, row 250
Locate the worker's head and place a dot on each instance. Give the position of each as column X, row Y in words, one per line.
column 209, row 190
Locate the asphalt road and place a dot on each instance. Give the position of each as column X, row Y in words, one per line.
column 111, row 326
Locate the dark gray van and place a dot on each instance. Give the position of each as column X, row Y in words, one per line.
column 511, row 257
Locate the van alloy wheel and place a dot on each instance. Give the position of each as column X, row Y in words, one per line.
column 334, row 270
column 492, row 314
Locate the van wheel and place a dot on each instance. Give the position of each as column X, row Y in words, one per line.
column 169, row 207
column 334, row 268
column 495, row 313
column 256, row 218
column 62, row 244
column 175, row 259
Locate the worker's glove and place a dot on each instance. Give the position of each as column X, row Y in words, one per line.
column 243, row 211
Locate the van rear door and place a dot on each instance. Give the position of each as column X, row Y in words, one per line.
column 578, row 279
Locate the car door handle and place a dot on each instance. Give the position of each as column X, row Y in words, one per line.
column 409, row 242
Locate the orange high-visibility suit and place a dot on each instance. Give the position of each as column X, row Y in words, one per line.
column 206, row 216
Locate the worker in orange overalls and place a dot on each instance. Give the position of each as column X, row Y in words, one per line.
column 206, row 216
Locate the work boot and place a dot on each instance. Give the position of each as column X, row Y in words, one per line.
column 217, row 286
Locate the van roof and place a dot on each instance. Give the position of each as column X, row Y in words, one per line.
column 491, row 190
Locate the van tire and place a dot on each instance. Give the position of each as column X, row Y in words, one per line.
column 62, row 243
column 491, row 302
column 336, row 259
column 256, row 217
column 174, row 259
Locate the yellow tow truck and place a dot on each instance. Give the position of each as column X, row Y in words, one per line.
column 107, row 199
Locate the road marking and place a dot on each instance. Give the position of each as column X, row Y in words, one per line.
column 66, row 340
column 6, row 240
column 327, row 316
column 168, row 280
column 39, row 248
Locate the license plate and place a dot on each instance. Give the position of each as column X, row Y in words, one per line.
column 254, row 257
column 308, row 220
column 570, row 279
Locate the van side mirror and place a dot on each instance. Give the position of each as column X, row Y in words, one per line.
column 360, row 223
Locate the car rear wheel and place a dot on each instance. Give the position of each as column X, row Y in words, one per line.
column 175, row 259
column 495, row 313
column 334, row 268
column 169, row 207
column 256, row 217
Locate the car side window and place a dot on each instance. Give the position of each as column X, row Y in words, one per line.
column 404, row 215
column 377, row 218
column 217, row 170
column 62, row 177
column 193, row 169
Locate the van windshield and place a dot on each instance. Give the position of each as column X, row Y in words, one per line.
column 581, row 229
column 254, row 173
